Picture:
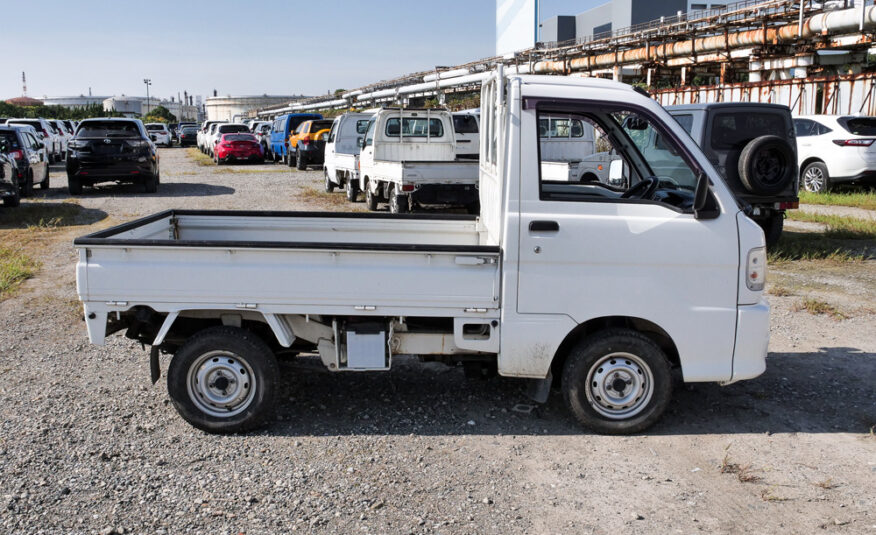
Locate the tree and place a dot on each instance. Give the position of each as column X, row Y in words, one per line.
column 159, row 114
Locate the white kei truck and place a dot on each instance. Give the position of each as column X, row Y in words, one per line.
column 409, row 156
column 598, row 291
column 569, row 153
column 341, row 163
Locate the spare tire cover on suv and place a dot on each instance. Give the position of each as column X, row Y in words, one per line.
column 767, row 165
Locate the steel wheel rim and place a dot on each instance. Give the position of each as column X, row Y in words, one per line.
column 221, row 384
column 813, row 180
column 619, row 385
column 770, row 166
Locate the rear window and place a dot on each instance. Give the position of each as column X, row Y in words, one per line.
column 11, row 140
column 685, row 120
column 560, row 128
column 362, row 126
column 35, row 124
column 734, row 130
column 189, row 130
column 414, row 127
column 155, row 127
column 465, row 124
column 239, row 137
column 226, row 128
column 108, row 129
column 859, row 126
column 316, row 126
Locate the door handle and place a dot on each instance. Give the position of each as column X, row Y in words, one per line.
column 544, row 226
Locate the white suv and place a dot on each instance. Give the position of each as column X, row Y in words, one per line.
column 835, row 149
column 161, row 133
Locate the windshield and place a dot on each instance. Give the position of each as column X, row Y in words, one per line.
column 108, row 129
column 859, row 126
column 465, row 124
column 239, row 137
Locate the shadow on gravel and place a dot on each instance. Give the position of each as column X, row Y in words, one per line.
column 830, row 391
column 48, row 214
column 174, row 189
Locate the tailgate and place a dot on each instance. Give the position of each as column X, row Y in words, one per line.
column 450, row 172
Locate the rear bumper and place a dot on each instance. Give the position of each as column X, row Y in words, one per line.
column 445, row 194
column 752, row 341
column 7, row 188
column 124, row 168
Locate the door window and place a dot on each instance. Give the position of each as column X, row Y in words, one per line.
column 612, row 154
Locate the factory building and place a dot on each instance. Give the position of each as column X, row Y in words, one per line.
column 229, row 108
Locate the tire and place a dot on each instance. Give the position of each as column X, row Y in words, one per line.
column 300, row 161
column 767, row 165
column 74, row 185
column 815, row 178
column 151, row 184
column 243, row 371
column 370, row 198
column 398, row 204
column 286, row 160
column 772, row 228
column 15, row 200
column 593, row 370
column 45, row 183
column 27, row 188
column 329, row 185
column 352, row 190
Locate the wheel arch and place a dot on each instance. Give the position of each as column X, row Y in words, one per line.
column 594, row 325
column 810, row 160
column 250, row 320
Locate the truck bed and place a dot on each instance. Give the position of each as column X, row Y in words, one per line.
column 291, row 263
column 427, row 172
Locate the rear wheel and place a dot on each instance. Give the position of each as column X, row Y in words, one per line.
column 13, row 201
column 617, row 382
column 74, row 185
column 27, row 187
column 815, row 178
column 223, row 380
column 352, row 190
column 370, row 198
column 300, row 161
column 45, row 182
column 151, row 184
column 398, row 203
column 772, row 227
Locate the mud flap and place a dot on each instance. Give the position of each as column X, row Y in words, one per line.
column 154, row 370
column 538, row 390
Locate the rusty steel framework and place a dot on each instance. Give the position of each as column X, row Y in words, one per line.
column 794, row 52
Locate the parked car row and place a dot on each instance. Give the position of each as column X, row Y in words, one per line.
column 53, row 133
column 24, row 161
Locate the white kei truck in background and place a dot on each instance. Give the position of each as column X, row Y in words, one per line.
column 409, row 156
column 341, row 164
column 599, row 291
column 569, row 153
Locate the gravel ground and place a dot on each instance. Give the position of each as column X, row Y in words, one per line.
column 88, row 445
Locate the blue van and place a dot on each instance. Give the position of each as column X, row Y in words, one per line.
column 281, row 128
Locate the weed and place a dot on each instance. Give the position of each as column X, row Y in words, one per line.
column 779, row 291
column 314, row 195
column 866, row 200
column 818, row 308
column 839, row 227
column 827, row 484
column 45, row 215
column 743, row 473
column 199, row 157
column 767, row 496
column 15, row 267
column 816, row 246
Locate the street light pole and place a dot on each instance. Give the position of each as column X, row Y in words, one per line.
column 148, row 82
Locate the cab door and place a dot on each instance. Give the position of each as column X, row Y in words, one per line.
column 588, row 251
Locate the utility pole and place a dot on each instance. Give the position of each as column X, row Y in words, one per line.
column 148, row 82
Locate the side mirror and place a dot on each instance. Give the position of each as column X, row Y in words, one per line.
column 3, row 146
column 40, row 145
column 360, row 142
column 634, row 122
column 701, row 206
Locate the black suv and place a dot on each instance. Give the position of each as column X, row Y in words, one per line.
column 754, row 148
column 111, row 150
column 30, row 157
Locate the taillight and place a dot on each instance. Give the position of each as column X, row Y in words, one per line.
column 853, row 142
column 17, row 154
column 44, row 133
column 755, row 269
column 305, row 141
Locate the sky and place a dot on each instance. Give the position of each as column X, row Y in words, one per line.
column 238, row 47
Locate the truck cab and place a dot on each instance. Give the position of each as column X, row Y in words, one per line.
column 598, row 290
column 341, row 166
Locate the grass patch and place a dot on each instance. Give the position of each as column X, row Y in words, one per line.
column 45, row 215
column 199, row 157
column 866, row 200
column 15, row 267
column 839, row 227
column 819, row 308
column 332, row 199
column 795, row 245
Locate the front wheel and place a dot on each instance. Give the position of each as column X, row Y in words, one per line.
column 329, row 185
column 223, row 380
column 617, row 382
column 370, row 198
column 352, row 190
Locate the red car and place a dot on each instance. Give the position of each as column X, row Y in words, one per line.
column 238, row 146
